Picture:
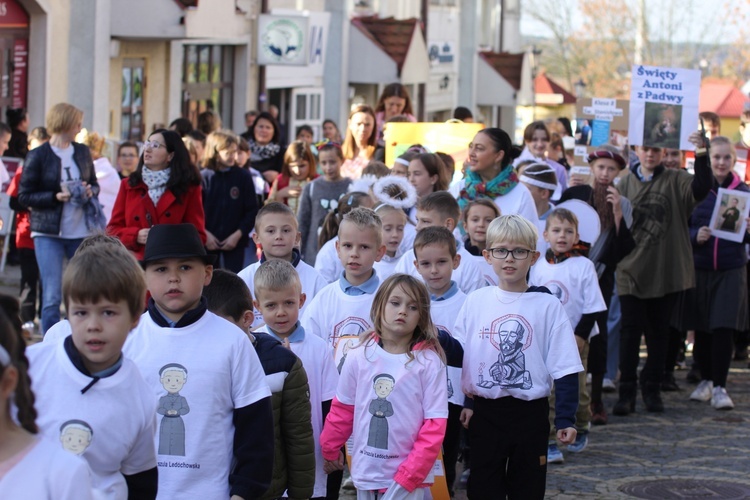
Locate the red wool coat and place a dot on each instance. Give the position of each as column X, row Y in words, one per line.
column 134, row 211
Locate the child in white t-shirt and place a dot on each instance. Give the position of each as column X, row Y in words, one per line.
column 294, row 448
column 436, row 258
column 30, row 466
column 343, row 307
column 327, row 261
column 441, row 209
column 392, row 398
column 278, row 295
column 277, row 234
column 571, row 277
column 476, row 218
column 394, row 222
column 394, row 195
column 215, row 436
column 517, row 340
column 90, row 398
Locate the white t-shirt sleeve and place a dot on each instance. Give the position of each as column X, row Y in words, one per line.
column 57, row 332
column 562, row 353
column 593, row 301
column 248, row 379
column 436, row 404
column 142, row 456
column 327, row 262
column 310, row 321
column 329, row 377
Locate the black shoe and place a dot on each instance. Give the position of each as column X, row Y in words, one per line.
column 694, row 375
column 669, row 384
column 625, row 405
column 652, row 397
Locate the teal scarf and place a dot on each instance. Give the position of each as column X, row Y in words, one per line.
column 475, row 187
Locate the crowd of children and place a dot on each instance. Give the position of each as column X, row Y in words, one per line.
column 374, row 324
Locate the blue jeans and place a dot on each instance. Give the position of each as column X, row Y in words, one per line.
column 50, row 253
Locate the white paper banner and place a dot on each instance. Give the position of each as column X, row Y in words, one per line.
column 663, row 106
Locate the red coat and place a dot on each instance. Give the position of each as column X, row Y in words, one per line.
column 23, row 225
column 134, row 211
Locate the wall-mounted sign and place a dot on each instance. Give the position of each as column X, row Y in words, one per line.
column 282, row 40
column 12, row 15
column 441, row 53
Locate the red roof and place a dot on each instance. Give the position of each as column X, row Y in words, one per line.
column 725, row 100
column 546, row 85
column 507, row 65
column 392, row 35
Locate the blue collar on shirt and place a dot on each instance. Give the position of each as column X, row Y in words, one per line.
column 298, row 335
column 642, row 176
column 453, row 290
column 368, row 287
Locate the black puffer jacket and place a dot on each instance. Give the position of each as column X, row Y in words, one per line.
column 40, row 183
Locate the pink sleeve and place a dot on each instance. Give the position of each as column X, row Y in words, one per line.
column 337, row 429
column 413, row 471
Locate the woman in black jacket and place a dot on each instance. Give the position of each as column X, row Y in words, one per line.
column 58, row 185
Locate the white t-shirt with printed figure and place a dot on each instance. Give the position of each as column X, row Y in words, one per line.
column 467, row 275
column 322, row 378
column 327, row 262
column 444, row 314
column 515, row 344
column 312, row 282
column 392, row 397
column 198, row 375
column 574, row 281
column 44, row 471
column 73, row 220
column 332, row 314
column 111, row 425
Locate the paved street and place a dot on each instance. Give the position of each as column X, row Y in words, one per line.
column 705, row 452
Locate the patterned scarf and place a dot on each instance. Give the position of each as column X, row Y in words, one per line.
column 475, row 187
column 259, row 153
column 156, row 182
column 580, row 249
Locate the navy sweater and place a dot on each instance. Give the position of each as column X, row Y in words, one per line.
column 716, row 254
column 229, row 202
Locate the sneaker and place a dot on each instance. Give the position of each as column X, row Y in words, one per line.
column 598, row 414
column 588, row 379
column 582, row 440
column 554, row 455
column 608, row 385
column 720, row 400
column 703, row 391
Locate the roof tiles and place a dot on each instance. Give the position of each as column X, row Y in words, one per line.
column 390, row 34
column 507, row 65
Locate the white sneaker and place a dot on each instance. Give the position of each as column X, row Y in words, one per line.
column 703, row 391
column 608, row 385
column 720, row 399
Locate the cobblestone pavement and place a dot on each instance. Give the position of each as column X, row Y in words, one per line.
column 690, row 443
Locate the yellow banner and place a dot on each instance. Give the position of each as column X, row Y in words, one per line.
column 449, row 138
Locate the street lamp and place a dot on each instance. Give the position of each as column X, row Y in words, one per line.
column 580, row 88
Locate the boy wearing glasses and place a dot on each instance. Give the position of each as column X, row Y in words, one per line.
column 517, row 340
column 567, row 272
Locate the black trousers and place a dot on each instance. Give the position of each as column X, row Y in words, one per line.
column 713, row 352
column 508, row 449
column 232, row 260
column 649, row 318
column 451, row 443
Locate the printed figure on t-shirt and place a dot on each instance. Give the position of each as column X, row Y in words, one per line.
column 76, row 436
column 450, row 385
column 510, row 370
column 381, row 409
column 173, row 407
